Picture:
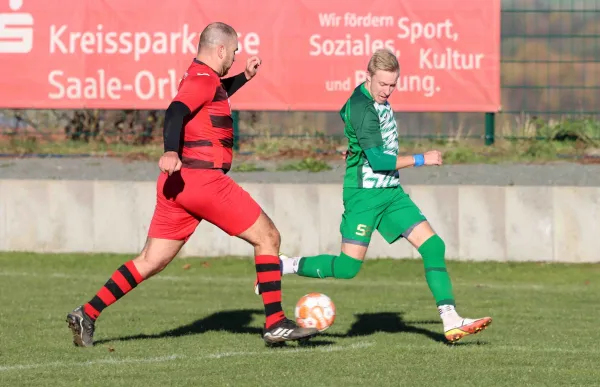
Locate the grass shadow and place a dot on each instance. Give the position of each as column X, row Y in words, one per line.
column 387, row 322
column 238, row 322
column 231, row 321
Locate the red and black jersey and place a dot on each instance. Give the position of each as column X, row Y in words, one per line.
column 208, row 129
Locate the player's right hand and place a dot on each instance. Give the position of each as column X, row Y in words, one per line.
column 433, row 157
column 169, row 162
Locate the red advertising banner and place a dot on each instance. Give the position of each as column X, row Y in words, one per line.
column 131, row 54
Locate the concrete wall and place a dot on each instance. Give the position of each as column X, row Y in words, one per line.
column 512, row 223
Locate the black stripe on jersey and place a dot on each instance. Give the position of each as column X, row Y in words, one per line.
column 197, row 143
column 225, row 143
column 222, row 122
column 202, row 164
column 220, row 95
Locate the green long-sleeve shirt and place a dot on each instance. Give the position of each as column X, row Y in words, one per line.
column 368, row 125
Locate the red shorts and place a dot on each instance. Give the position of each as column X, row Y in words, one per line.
column 185, row 198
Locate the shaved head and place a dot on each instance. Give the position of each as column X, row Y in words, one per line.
column 217, row 47
column 216, row 34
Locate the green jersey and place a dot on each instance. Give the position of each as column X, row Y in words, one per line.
column 368, row 124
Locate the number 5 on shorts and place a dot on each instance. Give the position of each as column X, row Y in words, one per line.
column 362, row 230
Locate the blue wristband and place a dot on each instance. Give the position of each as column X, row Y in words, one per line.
column 419, row 160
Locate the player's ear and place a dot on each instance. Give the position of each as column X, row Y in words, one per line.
column 221, row 51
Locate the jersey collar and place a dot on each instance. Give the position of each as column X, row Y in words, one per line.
column 364, row 90
column 204, row 64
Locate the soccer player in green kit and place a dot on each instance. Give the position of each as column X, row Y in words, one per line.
column 374, row 199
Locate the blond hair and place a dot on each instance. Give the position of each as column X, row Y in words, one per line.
column 383, row 60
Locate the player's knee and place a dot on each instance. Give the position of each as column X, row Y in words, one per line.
column 273, row 238
column 433, row 250
column 264, row 234
column 269, row 239
column 435, row 242
column 441, row 243
column 151, row 264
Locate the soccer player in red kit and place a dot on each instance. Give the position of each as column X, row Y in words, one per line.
column 193, row 186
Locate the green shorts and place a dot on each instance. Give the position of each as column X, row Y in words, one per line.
column 388, row 210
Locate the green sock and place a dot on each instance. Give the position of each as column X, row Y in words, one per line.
column 325, row 266
column 436, row 274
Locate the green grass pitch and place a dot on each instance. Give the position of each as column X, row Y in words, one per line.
column 200, row 326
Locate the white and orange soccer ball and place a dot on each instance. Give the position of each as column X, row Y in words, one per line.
column 315, row 310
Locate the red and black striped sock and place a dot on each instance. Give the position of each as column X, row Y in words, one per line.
column 122, row 282
column 268, row 272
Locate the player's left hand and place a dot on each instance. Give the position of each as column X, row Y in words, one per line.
column 169, row 162
column 252, row 67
